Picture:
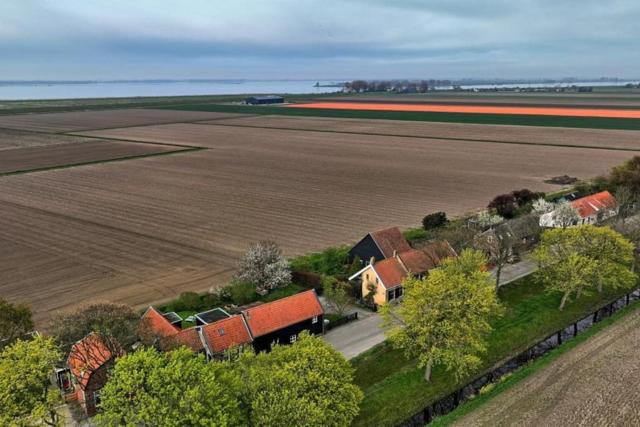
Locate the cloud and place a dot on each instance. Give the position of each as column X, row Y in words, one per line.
column 289, row 38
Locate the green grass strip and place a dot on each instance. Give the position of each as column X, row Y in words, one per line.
column 94, row 162
column 496, row 119
column 536, row 365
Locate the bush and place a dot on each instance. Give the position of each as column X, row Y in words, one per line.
column 505, row 205
column 186, row 301
column 415, row 234
column 332, row 261
column 241, row 293
column 434, row 220
column 307, row 279
column 525, row 196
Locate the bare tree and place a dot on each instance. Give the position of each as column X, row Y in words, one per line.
column 565, row 215
column 498, row 244
column 337, row 296
column 264, row 266
column 627, row 200
column 115, row 325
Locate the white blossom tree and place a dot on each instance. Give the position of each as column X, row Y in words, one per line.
column 565, row 215
column 541, row 206
column 264, row 266
column 487, row 219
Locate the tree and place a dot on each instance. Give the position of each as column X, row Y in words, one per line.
column 26, row 397
column 525, row 196
column 565, row 215
column 459, row 237
column 487, row 219
column 169, row 389
column 15, row 322
column 444, row 318
column 498, row 244
column 541, row 206
column 264, row 266
column 578, row 259
column 115, row 324
column 305, row 384
column 626, row 202
column 337, row 296
column 434, row 220
column 505, row 205
column 627, row 174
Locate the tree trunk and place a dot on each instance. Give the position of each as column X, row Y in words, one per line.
column 498, row 273
column 600, row 286
column 564, row 300
column 427, row 370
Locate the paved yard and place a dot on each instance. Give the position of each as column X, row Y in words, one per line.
column 511, row 272
column 358, row 336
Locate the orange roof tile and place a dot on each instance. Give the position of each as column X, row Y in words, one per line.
column 390, row 272
column 591, row 205
column 187, row 337
column 226, row 333
column 156, row 322
column 281, row 313
column 87, row 356
column 390, row 240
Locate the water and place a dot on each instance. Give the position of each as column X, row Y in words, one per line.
column 63, row 90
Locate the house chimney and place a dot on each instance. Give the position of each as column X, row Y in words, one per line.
column 372, row 260
column 395, row 253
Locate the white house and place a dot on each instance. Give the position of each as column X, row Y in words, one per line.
column 591, row 209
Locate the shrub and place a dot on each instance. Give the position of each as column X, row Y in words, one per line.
column 487, row 388
column 187, row 301
column 332, row 261
column 434, row 220
column 525, row 196
column 241, row 293
column 415, row 234
column 307, row 279
column 505, row 205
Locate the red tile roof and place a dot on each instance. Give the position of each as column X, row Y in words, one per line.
column 390, row 272
column 87, row 356
column 187, row 337
column 281, row 313
column 390, row 240
column 226, row 333
column 156, row 322
column 591, row 205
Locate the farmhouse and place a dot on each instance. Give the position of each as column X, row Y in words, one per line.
column 384, row 278
column 379, row 245
column 261, row 326
column 591, row 209
column 266, row 99
column 88, row 362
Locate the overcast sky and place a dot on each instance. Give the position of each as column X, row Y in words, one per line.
column 318, row 39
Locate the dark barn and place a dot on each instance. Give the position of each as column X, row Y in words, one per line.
column 263, row 100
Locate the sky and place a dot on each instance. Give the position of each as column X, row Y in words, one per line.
column 318, row 39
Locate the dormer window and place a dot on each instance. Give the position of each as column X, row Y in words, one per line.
column 221, row 332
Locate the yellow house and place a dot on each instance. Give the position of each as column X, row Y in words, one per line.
column 384, row 278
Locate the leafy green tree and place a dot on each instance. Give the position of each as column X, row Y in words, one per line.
column 627, row 174
column 15, row 322
column 169, row 389
column 305, row 384
column 445, row 317
column 26, row 395
column 577, row 259
column 337, row 295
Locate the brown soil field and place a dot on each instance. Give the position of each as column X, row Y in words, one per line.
column 11, row 139
column 23, row 159
column 82, row 120
column 623, row 139
column 145, row 230
column 563, row 111
column 593, row 384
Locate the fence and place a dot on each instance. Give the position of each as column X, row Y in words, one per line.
column 452, row 401
column 341, row 321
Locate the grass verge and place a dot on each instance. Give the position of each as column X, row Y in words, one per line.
column 531, row 368
column 386, row 375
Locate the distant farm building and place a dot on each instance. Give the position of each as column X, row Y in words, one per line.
column 591, row 209
column 263, row 100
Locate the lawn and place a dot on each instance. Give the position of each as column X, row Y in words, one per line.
column 496, row 119
column 395, row 389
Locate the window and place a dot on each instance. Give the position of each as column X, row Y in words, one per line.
column 377, row 280
column 314, row 319
column 293, row 338
column 366, row 276
column 96, row 398
column 221, row 331
column 399, row 292
column 390, row 295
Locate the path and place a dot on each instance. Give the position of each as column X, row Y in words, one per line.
column 511, row 272
column 596, row 383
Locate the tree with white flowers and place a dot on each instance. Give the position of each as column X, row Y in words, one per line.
column 264, row 266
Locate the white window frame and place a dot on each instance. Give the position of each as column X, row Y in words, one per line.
column 314, row 319
column 293, row 338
